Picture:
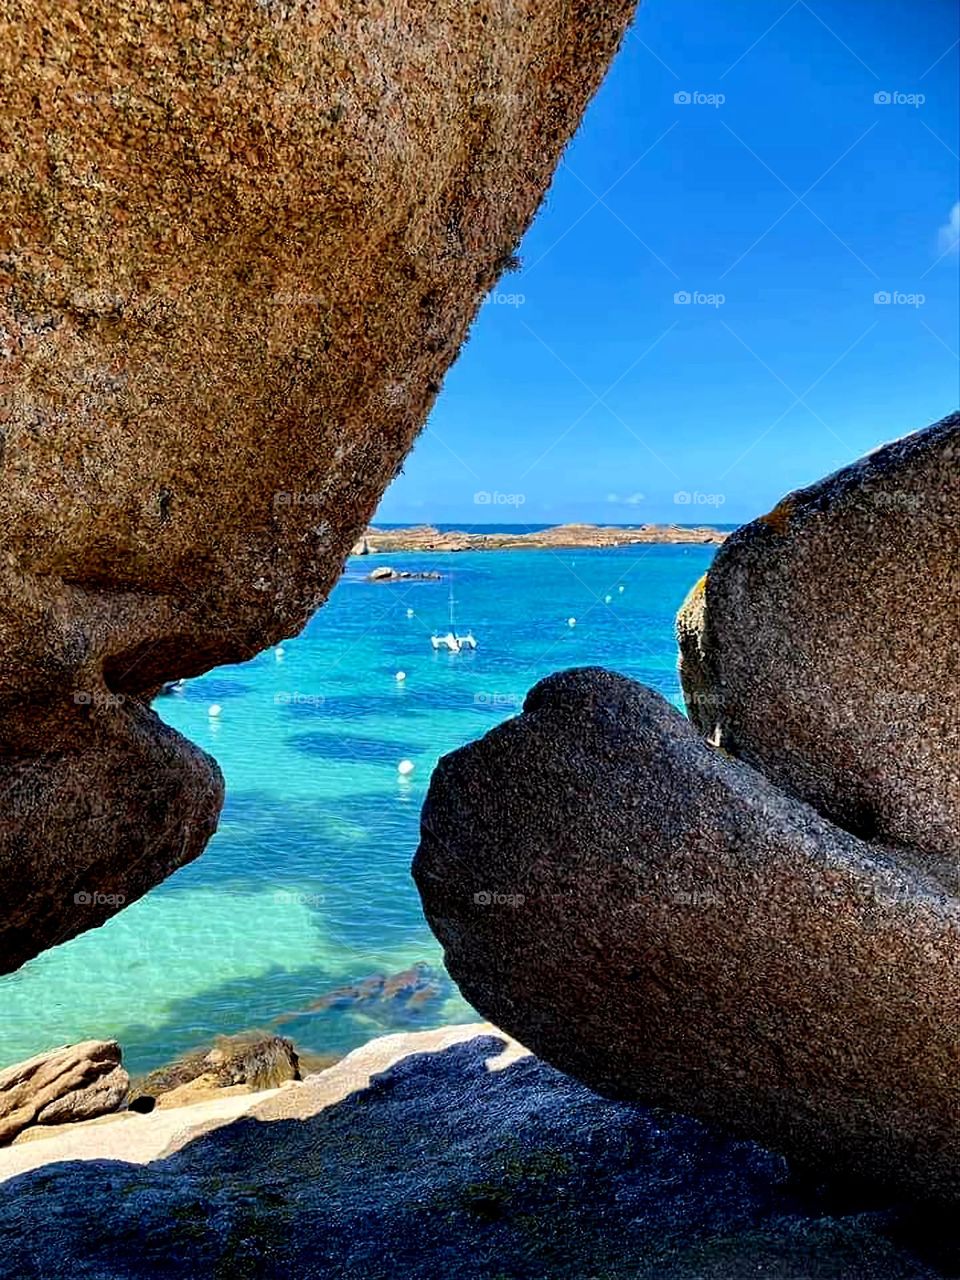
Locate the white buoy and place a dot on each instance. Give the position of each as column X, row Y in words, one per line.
column 620, row 589
column 607, row 599
column 571, row 622
column 214, row 710
column 400, row 677
column 405, row 768
column 278, row 653
column 409, row 613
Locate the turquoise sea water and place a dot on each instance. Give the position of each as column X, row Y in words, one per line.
column 306, row 887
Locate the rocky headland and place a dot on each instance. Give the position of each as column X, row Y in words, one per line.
column 560, row 537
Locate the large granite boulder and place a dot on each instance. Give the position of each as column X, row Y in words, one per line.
column 666, row 925
column 87, row 831
column 822, row 646
column 432, row 1156
column 71, row 1083
column 240, row 244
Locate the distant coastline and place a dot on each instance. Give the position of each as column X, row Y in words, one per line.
column 562, row 536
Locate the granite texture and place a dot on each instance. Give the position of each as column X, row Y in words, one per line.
column 822, row 646
column 73, row 1082
column 666, row 925
column 427, row 1156
column 753, row 915
column 240, row 244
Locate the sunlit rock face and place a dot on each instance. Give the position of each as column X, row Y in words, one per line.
column 74, row 1082
column 240, row 245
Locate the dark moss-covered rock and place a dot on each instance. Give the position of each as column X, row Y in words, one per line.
column 259, row 1061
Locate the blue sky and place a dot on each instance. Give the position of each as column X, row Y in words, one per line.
column 796, row 199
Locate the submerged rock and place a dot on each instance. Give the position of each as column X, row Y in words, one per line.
column 75, row 1082
column 431, row 1156
column 822, row 646
column 241, row 245
column 386, row 997
column 661, row 922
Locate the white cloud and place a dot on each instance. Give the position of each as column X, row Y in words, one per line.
column 633, row 500
column 948, row 237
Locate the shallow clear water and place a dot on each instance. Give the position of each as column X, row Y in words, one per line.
column 306, row 886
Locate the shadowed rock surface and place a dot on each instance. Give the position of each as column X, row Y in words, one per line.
column 85, row 831
column 240, row 245
column 822, row 646
column 441, row 1167
column 661, row 922
column 74, row 1082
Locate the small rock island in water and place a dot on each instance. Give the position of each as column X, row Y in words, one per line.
column 562, row 536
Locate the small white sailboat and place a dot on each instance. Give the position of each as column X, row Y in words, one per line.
column 453, row 642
